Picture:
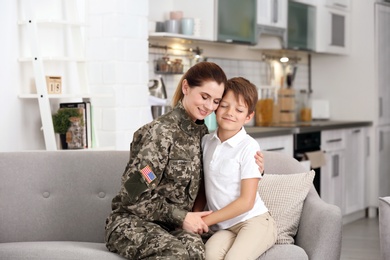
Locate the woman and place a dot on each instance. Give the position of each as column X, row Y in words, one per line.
column 151, row 215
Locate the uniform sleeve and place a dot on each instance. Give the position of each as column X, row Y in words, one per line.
column 150, row 147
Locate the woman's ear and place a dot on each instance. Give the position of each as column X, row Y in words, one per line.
column 184, row 86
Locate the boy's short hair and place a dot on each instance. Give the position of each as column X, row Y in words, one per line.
column 243, row 87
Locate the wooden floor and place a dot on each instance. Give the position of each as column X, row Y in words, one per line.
column 360, row 240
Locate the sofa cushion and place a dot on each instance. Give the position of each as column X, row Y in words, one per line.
column 284, row 252
column 56, row 250
column 284, row 194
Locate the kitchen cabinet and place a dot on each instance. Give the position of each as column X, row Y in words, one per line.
column 355, row 169
column 236, row 21
column 367, row 64
column 332, row 28
column 322, row 26
column 383, row 50
column 332, row 173
column 283, row 143
column 383, row 157
column 301, row 26
column 272, row 13
column 225, row 21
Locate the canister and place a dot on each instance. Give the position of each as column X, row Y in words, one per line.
column 304, row 106
column 265, row 106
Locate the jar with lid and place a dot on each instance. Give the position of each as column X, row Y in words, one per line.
column 304, row 106
column 265, row 106
column 164, row 65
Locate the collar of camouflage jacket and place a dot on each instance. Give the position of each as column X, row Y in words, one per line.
column 186, row 123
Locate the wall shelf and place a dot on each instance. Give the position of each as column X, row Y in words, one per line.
column 66, row 96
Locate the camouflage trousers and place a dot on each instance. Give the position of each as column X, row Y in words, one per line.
column 138, row 239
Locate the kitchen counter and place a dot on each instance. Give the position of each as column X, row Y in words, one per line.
column 302, row 127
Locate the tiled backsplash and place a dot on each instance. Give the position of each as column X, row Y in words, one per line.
column 255, row 71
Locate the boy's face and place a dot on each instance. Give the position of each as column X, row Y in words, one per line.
column 232, row 114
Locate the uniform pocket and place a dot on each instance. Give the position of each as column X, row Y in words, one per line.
column 179, row 171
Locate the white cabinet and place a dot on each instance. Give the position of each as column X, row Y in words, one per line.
column 383, row 159
column 272, row 13
column 355, row 170
column 332, row 173
column 343, row 176
column 383, row 40
column 283, row 143
column 332, row 30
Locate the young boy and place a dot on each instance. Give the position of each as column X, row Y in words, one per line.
column 244, row 228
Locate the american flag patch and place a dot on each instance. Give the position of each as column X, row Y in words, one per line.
column 148, row 174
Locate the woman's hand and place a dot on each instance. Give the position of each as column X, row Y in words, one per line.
column 260, row 161
column 193, row 222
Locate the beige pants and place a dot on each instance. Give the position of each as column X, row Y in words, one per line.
column 245, row 240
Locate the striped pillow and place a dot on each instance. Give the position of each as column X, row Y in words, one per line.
column 283, row 194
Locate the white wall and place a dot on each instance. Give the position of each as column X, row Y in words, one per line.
column 117, row 41
column 19, row 122
column 117, row 50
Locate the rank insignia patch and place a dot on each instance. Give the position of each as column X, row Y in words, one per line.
column 148, row 174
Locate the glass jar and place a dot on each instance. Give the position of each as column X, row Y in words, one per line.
column 304, row 106
column 264, row 107
column 75, row 134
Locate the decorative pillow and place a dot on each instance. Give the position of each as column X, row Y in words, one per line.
column 283, row 194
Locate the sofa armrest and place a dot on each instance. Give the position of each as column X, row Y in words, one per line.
column 320, row 227
column 384, row 226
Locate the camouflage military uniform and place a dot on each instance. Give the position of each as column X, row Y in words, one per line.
column 148, row 213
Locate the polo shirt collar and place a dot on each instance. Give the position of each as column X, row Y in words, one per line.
column 235, row 140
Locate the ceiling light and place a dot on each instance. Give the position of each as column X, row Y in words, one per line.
column 284, row 59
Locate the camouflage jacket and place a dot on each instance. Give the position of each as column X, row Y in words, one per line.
column 170, row 146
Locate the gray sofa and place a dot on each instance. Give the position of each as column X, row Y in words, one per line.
column 53, row 205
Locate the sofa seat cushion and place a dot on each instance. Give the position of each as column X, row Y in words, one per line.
column 43, row 250
column 284, row 252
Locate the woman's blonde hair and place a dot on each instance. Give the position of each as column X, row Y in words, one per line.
column 197, row 75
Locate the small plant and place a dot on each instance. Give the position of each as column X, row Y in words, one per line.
column 61, row 120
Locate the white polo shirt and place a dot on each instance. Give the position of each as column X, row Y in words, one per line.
column 225, row 165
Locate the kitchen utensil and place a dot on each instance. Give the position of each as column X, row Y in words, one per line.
column 160, row 110
column 157, row 88
column 187, row 26
column 172, row 26
column 175, row 15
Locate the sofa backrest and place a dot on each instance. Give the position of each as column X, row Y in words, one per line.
column 58, row 195
column 66, row 195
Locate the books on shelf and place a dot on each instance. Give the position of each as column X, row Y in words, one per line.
column 86, row 111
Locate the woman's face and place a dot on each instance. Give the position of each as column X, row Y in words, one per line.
column 200, row 101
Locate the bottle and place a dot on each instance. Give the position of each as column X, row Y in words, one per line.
column 305, row 106
column 264, row 107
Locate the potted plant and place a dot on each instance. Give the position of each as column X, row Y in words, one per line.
column 62, row 122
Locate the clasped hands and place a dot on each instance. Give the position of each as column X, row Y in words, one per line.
column 194, row 223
